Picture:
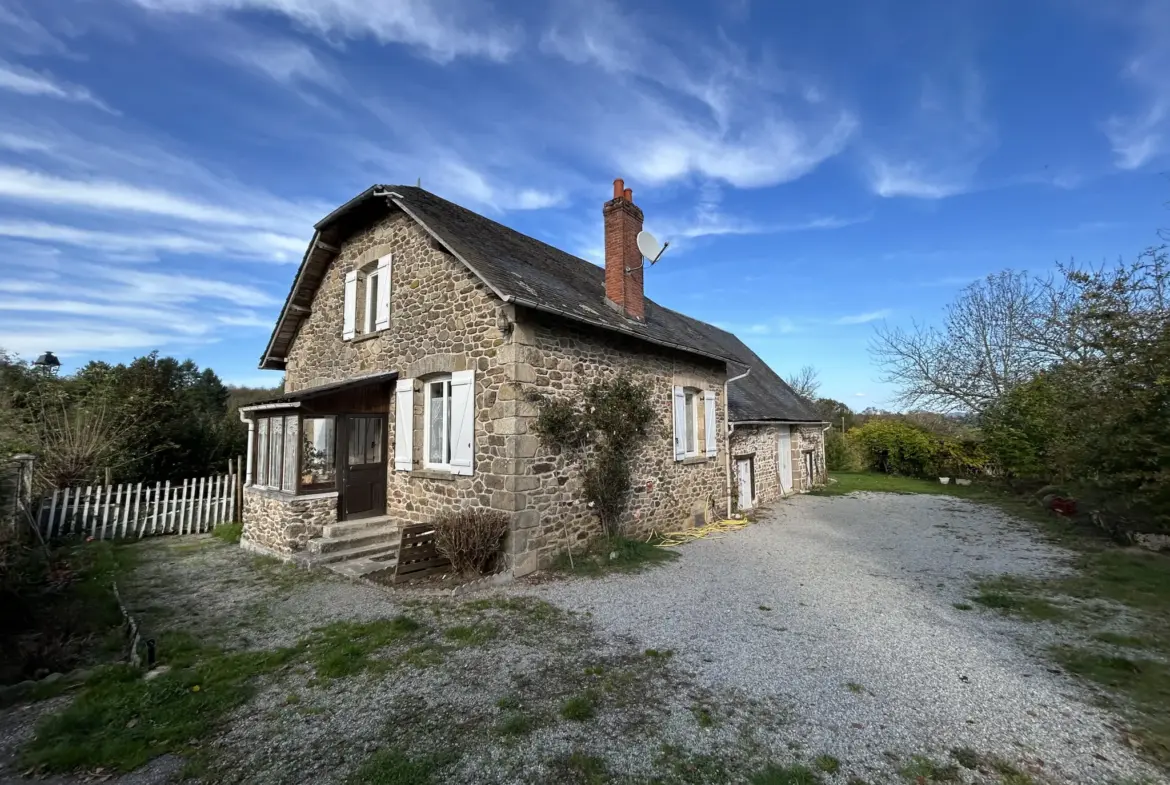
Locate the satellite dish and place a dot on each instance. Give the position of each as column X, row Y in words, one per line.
column 649, row 247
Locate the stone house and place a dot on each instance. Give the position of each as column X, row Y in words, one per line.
column 412, row 336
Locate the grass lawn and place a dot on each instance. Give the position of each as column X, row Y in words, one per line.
column 1132, row 664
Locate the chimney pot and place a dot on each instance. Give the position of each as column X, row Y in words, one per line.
column 618, row 185
column 629, row 194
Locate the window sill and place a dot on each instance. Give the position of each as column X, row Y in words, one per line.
column 696, row 459
column 368, row 336
column 287, row 496
column 434, row 474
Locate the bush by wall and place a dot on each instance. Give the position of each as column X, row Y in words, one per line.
column 470, row 538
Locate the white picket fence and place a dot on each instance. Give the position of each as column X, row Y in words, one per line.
column 135, row 510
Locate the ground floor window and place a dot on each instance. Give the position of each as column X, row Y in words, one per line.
column 437, row 435
column 294, row 454
column 318, row 453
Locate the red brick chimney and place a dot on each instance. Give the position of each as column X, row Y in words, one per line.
column 623, row 261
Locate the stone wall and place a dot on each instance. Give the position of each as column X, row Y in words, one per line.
column 442, row 319
column 808, row 437
column 761, row 442
column 558, row 358
column 283, row 523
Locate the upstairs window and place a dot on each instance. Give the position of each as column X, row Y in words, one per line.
column 366, row 309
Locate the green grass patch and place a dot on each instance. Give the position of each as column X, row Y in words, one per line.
column 854, row 687
column 515, row 724
column 395, row 767
column 508, row 703
column 786, row 775
column 529, row 608
column 120, row 720
column 582, row 768
column 228, row 532
column 963, row 606
column 613, row 554
column 471, row 635
column 281, row 575
column 580, row 707
column 1118, row 639
column 655, row 654
column 966, row 757
column 691, row 769
column 344, row 648
column 923, row 769
column 828, row 764
column 850, row 482
column 703, row 716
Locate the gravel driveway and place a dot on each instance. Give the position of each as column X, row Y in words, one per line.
column 861, row 637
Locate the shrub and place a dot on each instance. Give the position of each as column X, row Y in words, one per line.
column 841, row 454
column 895, row 447
column 228, row 532
column 470, row 538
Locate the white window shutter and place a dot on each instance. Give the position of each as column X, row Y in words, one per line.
column 382, row 307
column 462, row 422
column 680, row 424
column 404, row 425
column 709, row 423
column 349, row 317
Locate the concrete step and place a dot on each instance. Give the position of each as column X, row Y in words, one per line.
column 369, row 550
column 366, row 567
column 374, row 534
column 343, row 528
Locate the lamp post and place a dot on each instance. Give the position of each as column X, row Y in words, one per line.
column 48, row 364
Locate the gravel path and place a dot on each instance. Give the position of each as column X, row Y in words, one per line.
column 861, row 591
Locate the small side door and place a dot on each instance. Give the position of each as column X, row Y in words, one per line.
column 743, row 475
column 784, row 459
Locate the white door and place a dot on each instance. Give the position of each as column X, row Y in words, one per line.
column 743, row 473
column 785, row 459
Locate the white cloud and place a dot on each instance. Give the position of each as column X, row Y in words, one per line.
column 70, row 338
column 858, row 395
column 287, row 62
column 441, row 30
column 689, row 105
column 18, row 143
column 21, row 80
column 911, row 178
column 863, row 318
column 937, row 153
column 111, row 195
column 1142, row 136
column 149, row 244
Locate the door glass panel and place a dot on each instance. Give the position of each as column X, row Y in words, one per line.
column 318, row 464
column 373, row 440
column 357, row 441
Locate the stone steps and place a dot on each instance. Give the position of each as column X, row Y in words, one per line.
column 373, row 535
column 334, row 530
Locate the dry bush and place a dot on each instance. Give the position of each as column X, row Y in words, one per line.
column 470, row 538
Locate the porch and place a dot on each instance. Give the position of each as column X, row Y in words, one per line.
column 316, row 474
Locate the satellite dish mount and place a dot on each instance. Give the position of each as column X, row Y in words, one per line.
column 650, row 249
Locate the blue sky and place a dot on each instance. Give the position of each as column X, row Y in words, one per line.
column 818, row 167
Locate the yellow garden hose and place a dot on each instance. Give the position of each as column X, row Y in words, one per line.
column 671, row 539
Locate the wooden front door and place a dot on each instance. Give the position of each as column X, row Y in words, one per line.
column 363, row 458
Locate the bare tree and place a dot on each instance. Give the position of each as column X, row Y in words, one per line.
column 805, row 382
column 996, row 334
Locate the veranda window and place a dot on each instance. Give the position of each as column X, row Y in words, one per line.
column 295, row 454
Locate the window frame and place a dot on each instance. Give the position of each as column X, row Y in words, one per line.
column 370, row 309
column 444, row 380
column 263, row 453
column 694, row 397
column 316, row 487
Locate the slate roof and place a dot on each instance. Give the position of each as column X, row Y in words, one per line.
column 525, row 271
